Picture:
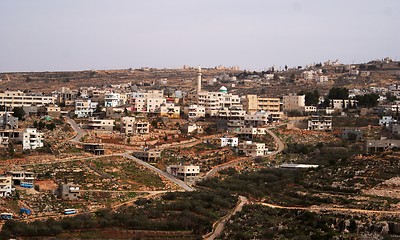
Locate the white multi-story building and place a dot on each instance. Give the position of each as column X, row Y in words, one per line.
column 195, row 111
column 257, row 119
column 339, row 104
column 135, row 126
column 5, row 186
column 214, row 101
column 184, row 172
column 321, row 78
column 229, row 141
column 85, row 108
column 170, row 110
column 386, row 121
column 308, row 75
column 251, row 132
column 150, row 101
column 112, row 99
column 13, row 99
column 294, row 102
column 31, row 139
column 309, row 109
column 320, row 123
column 253, row 149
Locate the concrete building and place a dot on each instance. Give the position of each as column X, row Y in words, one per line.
column 320, row 123
column 101, row 124
column 192, row 127
column 376, row 146
column 253, row 104
column 8, row 121
column 321, row 78
column 95, row 148
column 195, row 111
column 148, row 155
column 170, row 110
column 386, row 121
column 149, row 101
column 309, row 109
column 5, row 186
column 22, row 178
column 214, row 101
column 252, row 149
column 31, row 139
column 85, row 108
column 112, row 100
column 229, row 141
column 257, row 119
column 294, row 102
column 135, row 126
column 68, row 191
column 53, row 111
column 13, row 99
column 184, row 172
column 340, row 104
column 251, row 132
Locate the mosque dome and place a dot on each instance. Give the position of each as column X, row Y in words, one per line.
column 223, row 89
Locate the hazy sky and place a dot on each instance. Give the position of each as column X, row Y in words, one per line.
column 48, row 35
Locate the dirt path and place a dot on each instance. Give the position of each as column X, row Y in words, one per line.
column 219, row 225
column 332, row 209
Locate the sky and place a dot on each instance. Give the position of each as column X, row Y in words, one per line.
column 66, row 35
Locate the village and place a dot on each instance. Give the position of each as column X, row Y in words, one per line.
column 80, row 149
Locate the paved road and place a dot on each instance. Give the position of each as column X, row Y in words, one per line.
column 277, row 141
column 173, row 179
column 219, row 226
column 79, row 132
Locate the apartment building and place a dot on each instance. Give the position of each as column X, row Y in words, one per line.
column 184, row 172
column 320, row 123
column 148, row 155
column 13, row 99
column 257, row 119
column 294, row 102
column 150, row 101
column 85, row 108
column 135, row 126
column 252, row 149
column 68, row 191
column 22, row 178
column 31, row 139
column 227, row 141
column 8, row 121
column 5, row 186
column 114, row 99
column 251, row 132
column 214, row 101
column 170, row 110
column 100, row 124
column 195, row 111
column 253, row 104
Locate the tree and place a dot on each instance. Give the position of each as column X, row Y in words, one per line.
column 338, row 93
column 19, row 113
column 390, row 97
column 51, row 126
column 368, row 100
column 312, row 98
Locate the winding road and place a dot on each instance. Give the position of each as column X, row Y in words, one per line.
column 219, row 226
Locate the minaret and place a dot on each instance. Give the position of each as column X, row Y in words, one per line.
column 199, row 80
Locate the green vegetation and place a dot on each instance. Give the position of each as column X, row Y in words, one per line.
column 189, row 211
